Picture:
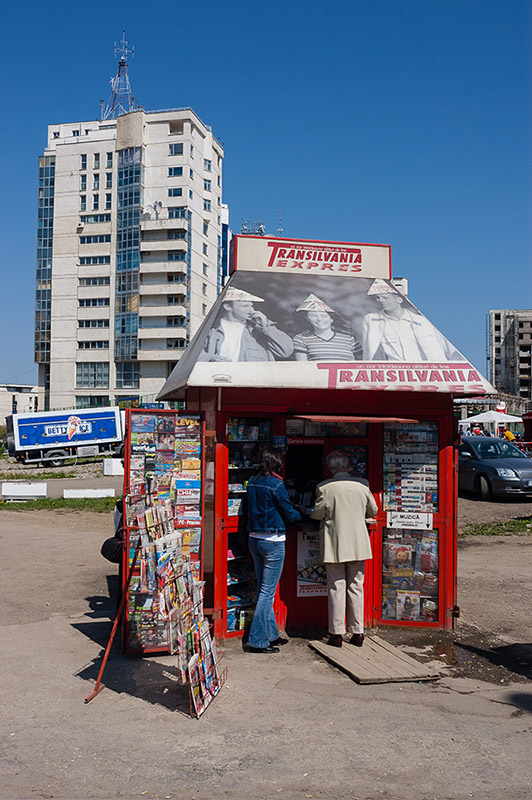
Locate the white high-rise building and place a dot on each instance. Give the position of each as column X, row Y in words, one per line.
column 131, row 251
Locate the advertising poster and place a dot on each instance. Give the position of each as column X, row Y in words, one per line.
column 296, row 329
column 311, row 576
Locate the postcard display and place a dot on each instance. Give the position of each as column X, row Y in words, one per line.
column 163, row 505
column 245, row 440
column 410, row 569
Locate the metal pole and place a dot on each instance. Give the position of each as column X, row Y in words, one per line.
column 99, row 686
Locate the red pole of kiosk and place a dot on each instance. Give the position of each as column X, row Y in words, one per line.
column 99, row 686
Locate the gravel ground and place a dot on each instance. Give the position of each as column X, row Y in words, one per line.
column 83, row 469
column 289, row 725
column 471, row 509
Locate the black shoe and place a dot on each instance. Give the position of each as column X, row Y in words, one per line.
column 269, row 649
column 335, row 640
column 357, row 639
column 279, row 641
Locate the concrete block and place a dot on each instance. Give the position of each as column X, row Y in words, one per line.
column 78, row 493
column 113, row 466
column 24, row 491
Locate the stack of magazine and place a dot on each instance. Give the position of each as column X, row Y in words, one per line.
column 169, row 583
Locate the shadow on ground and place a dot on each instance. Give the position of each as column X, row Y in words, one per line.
column 143, row 678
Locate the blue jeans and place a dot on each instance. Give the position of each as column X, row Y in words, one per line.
column 268, row 558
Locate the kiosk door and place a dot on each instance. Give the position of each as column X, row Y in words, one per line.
column 303, row 589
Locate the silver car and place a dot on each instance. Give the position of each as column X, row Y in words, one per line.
column 493, row 467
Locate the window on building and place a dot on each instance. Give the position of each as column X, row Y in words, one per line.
column 175, row 149
column 191, row 174
column 95, row 202
column 127, row 375
column 93, row 302
column 75, row 133
column 219, row 181
column 83, row 183
column 206, row 205
column 207, row 185
column 203, row 309
column 176, row 344
column 90, row 218
column 175, row 191
column 109, row 162
column 102, row 280
column 90, row 260
column 83, row 202
column 175, row 172
column 176, row 322
column 96, row 161
column 205, row 228
column 176, row 299
column 176, row 255
column 92, row 401
column 94, row 344
column 92, row 375
column 178, row 212
column 174, row 277
column 97, row 239
column 205, row 269
column 177, row 234
column 207, row 164
column 93, row 323
column 108, row 200
column 96, row 180
column 205, row 249
column 191, row 151
column 56, row 134
column 83, row 160
column 108, row 180
column 190, row 194
column 204, row 288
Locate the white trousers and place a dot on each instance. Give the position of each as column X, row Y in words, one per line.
column 345, row 590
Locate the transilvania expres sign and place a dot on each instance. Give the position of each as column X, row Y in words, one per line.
column 314, row 257
column 447, row 377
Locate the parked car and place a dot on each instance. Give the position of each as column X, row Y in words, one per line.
column 493, row 467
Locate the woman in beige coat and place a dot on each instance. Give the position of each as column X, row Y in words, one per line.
column 344, row 504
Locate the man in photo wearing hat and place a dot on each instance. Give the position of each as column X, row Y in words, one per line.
column 241, row 333
column 395, row 333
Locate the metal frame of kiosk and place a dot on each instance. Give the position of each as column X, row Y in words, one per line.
column 409, row 439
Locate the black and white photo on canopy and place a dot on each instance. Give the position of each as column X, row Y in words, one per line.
column 285, row 317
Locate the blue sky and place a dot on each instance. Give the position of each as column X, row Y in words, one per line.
column 404, row 122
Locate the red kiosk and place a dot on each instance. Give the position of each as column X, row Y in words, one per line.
column 312, row 348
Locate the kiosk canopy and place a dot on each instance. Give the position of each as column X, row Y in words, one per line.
column 287, row 330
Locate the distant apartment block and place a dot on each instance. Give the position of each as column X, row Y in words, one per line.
column 131, row 252
column 510, row 348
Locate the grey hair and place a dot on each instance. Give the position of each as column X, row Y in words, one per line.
column 337, row 462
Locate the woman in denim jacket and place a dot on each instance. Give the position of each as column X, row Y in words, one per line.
column 269, row 509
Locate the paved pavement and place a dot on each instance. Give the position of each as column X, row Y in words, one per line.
column 288, row 725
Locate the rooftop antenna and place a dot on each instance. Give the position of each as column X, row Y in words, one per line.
column 280, row 229
column 251, row 228
column 121, row 100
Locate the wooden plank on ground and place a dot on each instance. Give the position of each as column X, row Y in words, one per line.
column 376, row 661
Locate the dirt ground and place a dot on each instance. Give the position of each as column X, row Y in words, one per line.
column 288, row 725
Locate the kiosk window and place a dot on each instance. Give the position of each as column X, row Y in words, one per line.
column 410, row 575
column 410, row 467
